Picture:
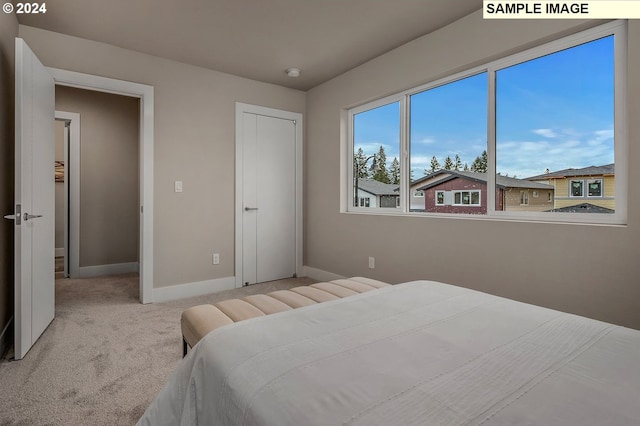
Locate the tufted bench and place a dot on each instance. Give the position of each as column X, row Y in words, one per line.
column 197, row 321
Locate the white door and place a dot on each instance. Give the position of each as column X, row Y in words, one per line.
column 269, row 198
column 34, row 193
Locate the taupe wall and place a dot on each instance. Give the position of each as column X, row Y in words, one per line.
column 109, row 134
column 589, row 270
column 8, row 32
column 194, row 142
column 59, row 238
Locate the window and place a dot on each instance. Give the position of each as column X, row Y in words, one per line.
column 365, row 202
column 376, row 147
column 594, row 187
column 539, row 116
column 466, row 198
column 575, row 188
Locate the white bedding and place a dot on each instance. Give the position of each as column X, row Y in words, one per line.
column 419, row 353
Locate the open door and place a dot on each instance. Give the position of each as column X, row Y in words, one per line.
column 34, row 199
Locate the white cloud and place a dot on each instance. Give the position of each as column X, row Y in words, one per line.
column 547, row 133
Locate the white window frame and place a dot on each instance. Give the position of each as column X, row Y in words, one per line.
column 526, row 197
column 571, row 182
column 470, row 191
column 443, row 198
column 590, row 181
column 418, row 193
column 616, row 28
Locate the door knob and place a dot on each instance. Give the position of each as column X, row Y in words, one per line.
column 28, row 216
column 16, row 216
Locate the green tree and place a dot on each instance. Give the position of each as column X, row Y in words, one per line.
column 359, row 165
column 381, row 174
column 466, row 167
column 448, row 163
column 479, row 165
column 394, row 171
column 457, row 165
column 435, row 165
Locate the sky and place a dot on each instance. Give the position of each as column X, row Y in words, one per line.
column 553, row 112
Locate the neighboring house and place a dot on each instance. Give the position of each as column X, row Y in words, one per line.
column 451, row 191
column 372, row 193
column 593, row 185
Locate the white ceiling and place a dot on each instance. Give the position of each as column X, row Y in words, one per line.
column 257, row 39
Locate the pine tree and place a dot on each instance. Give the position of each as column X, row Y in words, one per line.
column 381, row 175
column 479, row 165
column 457, row 163
column 358, row 164
column 466, row 167
column 435, row 165
column 448, row 163
column 394, row 171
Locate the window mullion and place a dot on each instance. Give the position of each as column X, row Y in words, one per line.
column 491, row 141
column 405, row 172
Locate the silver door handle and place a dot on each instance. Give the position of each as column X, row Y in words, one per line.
column 28, row 216
column 246, row 209
column 16, row 216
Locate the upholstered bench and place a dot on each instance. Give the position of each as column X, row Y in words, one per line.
column 198, row 321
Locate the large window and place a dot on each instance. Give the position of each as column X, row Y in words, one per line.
column 543, row 120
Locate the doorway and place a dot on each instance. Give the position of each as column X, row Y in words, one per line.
column 268, row 194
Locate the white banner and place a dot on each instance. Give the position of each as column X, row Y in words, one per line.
column 595, row 9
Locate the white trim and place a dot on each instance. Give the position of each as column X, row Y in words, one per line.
column 242, row 108
column 320, row 275
column 200, row 288
column 145, row 94
column 59, row 251
column 72, row 193
column 103, row 270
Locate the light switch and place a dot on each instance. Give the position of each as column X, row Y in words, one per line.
column 177, row 185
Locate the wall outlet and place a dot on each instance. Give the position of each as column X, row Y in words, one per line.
column 216, row 258
column 372, row 262
column 177, row 186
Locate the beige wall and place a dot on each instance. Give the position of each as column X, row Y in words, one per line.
column 109, row 188
column 589, row 270
column 8, row 32
column 194, row 142
column 59, row 238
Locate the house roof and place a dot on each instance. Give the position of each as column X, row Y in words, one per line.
column 501, row 181
column 378, row 188
column 583, row 208
column 608, row 169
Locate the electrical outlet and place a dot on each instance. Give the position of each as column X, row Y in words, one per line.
column 216, row 258
column 177, row 186
column 372, row 262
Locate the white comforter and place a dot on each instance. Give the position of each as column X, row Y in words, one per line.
column 419, row 353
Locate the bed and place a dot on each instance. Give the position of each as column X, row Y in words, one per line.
column 417, row 353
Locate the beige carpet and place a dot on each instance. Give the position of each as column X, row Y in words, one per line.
column 104, row 357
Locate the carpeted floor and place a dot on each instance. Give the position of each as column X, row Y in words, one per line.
column 104, row 357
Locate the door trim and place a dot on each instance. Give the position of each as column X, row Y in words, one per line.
column 241, row 109
column 72, row 193
column 145, row 94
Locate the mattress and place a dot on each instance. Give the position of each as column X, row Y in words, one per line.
column 418, row 353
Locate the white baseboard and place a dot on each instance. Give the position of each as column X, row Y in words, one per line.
column 102, row 270
column 5, row 337
column 320, row 275
column 182, row 291
column 59, row 252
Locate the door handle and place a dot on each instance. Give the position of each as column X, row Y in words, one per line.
column 28, row 216
column 246, row 209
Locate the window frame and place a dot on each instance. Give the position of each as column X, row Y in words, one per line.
column 470, row 191
column 591, row 180
column 525, row 193
column 581, row 182
column 616, row 28
column 436, row 198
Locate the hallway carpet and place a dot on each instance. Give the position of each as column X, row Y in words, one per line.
column 104, row 357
